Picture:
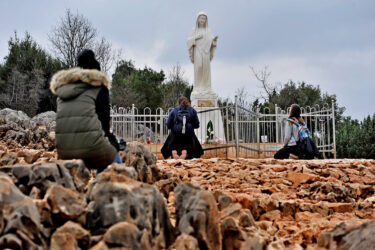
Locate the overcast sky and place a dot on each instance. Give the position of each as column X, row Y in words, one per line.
column 330, row 43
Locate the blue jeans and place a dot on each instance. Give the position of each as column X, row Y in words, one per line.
column 116, row 160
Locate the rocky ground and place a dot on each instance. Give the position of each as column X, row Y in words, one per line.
column 46, row 203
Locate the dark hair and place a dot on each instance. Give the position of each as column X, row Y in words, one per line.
column 86, row 60
column 295, row 113
column 183, row 101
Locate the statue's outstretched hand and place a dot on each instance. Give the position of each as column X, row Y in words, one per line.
column 214, row 42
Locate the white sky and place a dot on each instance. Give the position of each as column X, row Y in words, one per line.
column 327, row 43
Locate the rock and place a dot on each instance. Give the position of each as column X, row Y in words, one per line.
column 137, row 156
column 167, row 186
column 224, row 201
column 361, row 238
column 298, row 178
column 70, row 236
column 197, row 215
column 115, row 198
column 288, row 208
column 9, row 193
column 128, row 236
column 329, row 239
column 17, row 129
column 331, row 192
column 122, row 170
column 22, row 217
column 65, row 203
column 44, row 210
column 255, row 243
column 79, row 172
column 186, row 242
column 30, row 155
column 15, row 118
column 47, row 119
column 44, row 175
column 10, row 241
column 8, row 159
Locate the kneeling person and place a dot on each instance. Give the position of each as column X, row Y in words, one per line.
column 83, row 114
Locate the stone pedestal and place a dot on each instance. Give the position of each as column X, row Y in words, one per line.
column 205, row 103
column 205, row 115
column 203, row 99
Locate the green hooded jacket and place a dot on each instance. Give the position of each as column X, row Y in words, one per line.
column 79, row 133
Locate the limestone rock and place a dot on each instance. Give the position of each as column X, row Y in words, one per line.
column 186, row 242
column 137, row 156
column 115, row 198
column 197, row 215
column 45, row 175
column 70, row 236
column 47, row 119
column 65, row 203
column 8, row 159
column 128, row 236
column 361, row 238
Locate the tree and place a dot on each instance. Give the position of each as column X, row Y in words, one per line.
column 175, row 87
column 26, row 71
column 263, row 77
column 141, row 87
column 356, row 139
column 75, row 33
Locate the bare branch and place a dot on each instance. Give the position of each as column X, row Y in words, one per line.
column 262, row 76
column 73, row 34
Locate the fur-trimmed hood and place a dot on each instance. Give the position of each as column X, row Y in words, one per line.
column 91, row 77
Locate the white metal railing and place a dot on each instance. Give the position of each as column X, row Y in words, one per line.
column 251, row 132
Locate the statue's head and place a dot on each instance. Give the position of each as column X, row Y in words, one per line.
column 202, row 19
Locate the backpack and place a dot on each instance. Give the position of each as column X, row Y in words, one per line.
column 182, row 121
column 306, row 146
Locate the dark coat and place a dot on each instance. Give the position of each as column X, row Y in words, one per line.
column 82, row 117
column 194, row 123
column 178, row 141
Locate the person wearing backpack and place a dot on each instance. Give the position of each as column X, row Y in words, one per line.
column 298, row 140
column 182, row 142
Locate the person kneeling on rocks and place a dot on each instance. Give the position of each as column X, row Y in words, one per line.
column 298, row 139
column 182, row 142
column 83, row 114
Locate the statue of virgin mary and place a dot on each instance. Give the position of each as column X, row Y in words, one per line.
column 202, row 44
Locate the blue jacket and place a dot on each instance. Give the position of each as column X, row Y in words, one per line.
column 194, row 121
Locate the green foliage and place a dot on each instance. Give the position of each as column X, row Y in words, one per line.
column 29, row 64
column 27, row 55
column 356, row 139
column 141, row 87
column 303, row 94
column 147, row 87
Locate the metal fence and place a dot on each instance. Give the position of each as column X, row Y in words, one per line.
column 249, row 132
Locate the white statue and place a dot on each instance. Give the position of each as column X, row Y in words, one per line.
column 201, row 44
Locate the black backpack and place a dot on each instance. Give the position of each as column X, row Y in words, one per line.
column 183, row 121
column 306, row 146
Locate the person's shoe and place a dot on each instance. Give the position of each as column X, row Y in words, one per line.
column 183, row 154
column 175, row 155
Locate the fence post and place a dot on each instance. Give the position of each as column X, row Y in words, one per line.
column 258, row 132
column 277, row 123
column 236, row 123
column 133, row 123
column 161, row 126
column 334, row 129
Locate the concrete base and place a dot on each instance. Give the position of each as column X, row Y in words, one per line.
column 205, row 115
column 203, row 99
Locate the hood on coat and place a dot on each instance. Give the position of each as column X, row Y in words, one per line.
column 72, row 82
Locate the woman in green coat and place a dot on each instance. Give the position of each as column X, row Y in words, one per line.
column 83, row 114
